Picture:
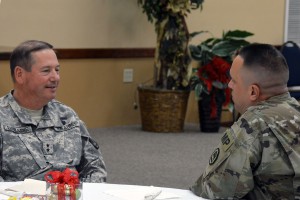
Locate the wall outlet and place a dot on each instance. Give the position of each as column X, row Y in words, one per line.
column 128, row 75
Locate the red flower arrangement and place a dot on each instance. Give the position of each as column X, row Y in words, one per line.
column 214, row 76
column 63, row 184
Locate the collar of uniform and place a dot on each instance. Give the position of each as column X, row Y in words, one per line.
column 284, row 97
column 48, row 119
column 23, row 117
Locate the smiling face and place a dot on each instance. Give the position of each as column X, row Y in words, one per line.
column 37, row 87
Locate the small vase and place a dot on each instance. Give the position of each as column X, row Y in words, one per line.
column 207, row 123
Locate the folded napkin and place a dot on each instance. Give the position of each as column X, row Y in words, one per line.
column 30, row 186
column 143, row 193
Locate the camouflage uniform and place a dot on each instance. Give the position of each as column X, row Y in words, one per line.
column 258, row 157
column 29, row 149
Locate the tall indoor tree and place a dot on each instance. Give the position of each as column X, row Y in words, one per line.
column 171, row 53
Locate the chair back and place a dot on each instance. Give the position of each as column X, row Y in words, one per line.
column 291, row 51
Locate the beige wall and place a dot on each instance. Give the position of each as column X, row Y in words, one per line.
column 265, row 18
column 121, row 23
column 94, row 87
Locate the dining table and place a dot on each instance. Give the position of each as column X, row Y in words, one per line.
column 105, row 191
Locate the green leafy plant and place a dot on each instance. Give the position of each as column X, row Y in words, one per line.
column 214, row 57
column 171, row 54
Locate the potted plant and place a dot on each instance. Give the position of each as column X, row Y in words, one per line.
column 211, row 76
column 171, row 61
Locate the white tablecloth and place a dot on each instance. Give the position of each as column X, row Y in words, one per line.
column 106, row 191
column 92, row 190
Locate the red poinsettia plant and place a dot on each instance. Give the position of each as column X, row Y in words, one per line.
column 214, row 76
column 214, row 57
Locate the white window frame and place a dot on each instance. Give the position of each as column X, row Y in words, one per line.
column 292, row 21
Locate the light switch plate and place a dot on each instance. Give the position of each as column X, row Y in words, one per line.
column 128, row 75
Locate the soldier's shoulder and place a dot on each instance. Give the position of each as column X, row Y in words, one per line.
column 276, row 110
column 4, row 100
column 249, row 125
column 59, row 107
column 4, row 104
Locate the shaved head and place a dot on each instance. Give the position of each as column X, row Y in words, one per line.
column 265, row 66
column 258, row 72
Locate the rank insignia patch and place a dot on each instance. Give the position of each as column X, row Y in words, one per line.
column 48, row 148
column 227, row 140
column 214, row 156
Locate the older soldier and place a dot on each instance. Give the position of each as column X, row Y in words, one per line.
column 259, row 156
column 39, row 133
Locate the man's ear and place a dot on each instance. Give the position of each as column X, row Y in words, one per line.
column 19, row 74
column 254, row 92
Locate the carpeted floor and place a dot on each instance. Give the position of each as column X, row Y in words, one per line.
column 136, row 157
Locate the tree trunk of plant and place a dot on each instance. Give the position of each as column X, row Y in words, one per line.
column 171, row 57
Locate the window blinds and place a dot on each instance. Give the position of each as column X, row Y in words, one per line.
column 292, row 21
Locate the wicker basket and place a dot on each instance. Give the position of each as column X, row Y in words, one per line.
column 162, row 110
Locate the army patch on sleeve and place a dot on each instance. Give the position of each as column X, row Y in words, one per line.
column 214, row 156
column 227, row 140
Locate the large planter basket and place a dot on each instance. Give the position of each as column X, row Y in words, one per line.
column 162, row 110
